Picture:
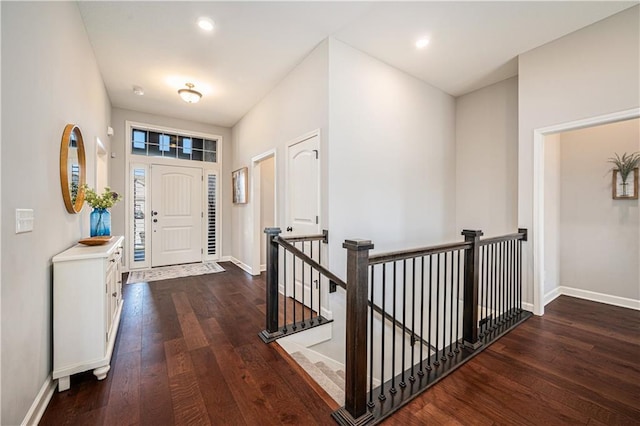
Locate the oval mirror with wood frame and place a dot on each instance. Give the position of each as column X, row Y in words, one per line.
column 72, row 168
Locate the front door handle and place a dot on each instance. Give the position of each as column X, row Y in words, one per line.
column 289, row 229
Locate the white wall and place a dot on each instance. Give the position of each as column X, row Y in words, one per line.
column 391, row 157
column 297, row 105
column 552, row 198
column 590, row 72
column 599, row 246
column 49, row 79
column 487, row 159
column 391, row 165
column 119, row 168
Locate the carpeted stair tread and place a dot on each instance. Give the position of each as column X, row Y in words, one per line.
column 341, row 374
column 320, row 377
column 330, row 374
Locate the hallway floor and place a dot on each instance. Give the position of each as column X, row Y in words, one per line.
column 188, row 352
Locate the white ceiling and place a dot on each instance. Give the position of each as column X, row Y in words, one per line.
column 157, row 45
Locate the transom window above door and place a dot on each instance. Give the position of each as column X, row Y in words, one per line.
column 171, row 145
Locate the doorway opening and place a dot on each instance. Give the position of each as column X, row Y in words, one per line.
column 263, row 184
column 545, row 193
column 173, row 196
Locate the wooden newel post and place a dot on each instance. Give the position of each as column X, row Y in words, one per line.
column 272, row 332
column 355, row 408
column 471, row 279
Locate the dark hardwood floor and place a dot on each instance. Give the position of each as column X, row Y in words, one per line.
column 578, row 364
column 188, row 353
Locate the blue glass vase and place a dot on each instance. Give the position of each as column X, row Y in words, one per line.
column 100, row 222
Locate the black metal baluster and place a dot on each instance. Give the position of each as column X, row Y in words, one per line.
column 372, row 278
column 421, row 372
column 519, row 276
column 295, row 300
column 311, row 289
column 486, row 288
column 284, row 261
column 444, row 310
column 393, row 335
column 404, row 318
column 451, row 310
column 483, row 293
column 430, row 305
column 413, row 317
column 515, row 277
column 319, row 283
column 437, row 362
column 304, row 310
column 500, row 282
column 458, row 306
column 510, row 298
column 381, row 397
column 506, row 281
column 503, row 297
column 494, row 268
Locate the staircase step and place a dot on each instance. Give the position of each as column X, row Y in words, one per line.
column 331, row 374
column 320, row 377
column 341, row 374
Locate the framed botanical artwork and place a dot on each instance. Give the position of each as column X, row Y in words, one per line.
column 239, row 179
column 625, row 190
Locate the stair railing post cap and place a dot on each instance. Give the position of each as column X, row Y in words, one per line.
column 357, row 244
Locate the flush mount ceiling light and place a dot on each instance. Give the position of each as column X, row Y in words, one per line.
column 189, row 95
column 205, row 23
column 422, row 43
column 137, row 90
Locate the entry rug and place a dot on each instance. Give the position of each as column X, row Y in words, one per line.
column 175, row 271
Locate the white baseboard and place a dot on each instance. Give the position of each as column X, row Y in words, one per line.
column 552, row 295
column 594, row 297
column 40, row 403
column 263, row 268
column 326, row 313
column 242, row 265
column 225, row 259
column 527, row 306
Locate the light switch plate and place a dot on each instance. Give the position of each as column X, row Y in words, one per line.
column 24, row 220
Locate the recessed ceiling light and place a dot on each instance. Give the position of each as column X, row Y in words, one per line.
column 205, row 23
column 422, row 43
column 137, row 90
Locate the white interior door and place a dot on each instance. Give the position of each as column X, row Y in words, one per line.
column 176, row 215
column 303, row 213
column 303, row 196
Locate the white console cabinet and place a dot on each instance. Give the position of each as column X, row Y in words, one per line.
column 87, row 302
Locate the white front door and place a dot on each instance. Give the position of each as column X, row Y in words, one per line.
column 176, row 215
column 303, row 213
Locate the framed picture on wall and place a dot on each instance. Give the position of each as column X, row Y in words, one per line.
column 625, row 190
column 239, row 179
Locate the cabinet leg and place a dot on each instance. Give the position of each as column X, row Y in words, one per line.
column 64, row 383
column 101, row 372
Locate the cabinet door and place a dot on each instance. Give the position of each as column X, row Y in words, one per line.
column 111, row 298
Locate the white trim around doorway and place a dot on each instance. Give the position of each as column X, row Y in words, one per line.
column 537, row 234
column 255, row 196
column 146, row 162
